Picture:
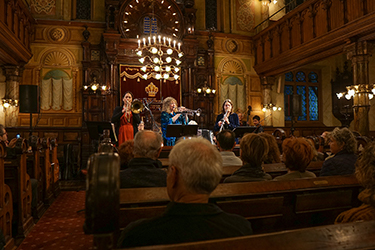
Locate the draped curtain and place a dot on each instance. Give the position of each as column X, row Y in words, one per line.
column 56, row 94
column 232, row 88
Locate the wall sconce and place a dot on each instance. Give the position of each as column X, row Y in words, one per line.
column 205, row 90
column 94, row 86
column 271, row 107
column 267, row 2
column 9, row 102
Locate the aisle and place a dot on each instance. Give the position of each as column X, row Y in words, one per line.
column 61, row 226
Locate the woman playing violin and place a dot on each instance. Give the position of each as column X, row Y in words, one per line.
column 169, row 116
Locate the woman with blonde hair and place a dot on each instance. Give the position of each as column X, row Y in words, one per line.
column 169, row 115
column 253, row 150
column 365, row 173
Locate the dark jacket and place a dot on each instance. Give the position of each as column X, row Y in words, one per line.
column 116, row 119
column 341, row 164
column 248, row 173
column 143, row 172
column 184, row 222
column 234, row 122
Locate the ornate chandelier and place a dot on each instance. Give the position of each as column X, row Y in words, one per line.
column 365, row 90
column 161, row 57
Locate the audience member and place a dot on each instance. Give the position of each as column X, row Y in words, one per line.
column 226, row 141
column 253, row 150
column 273, row 155
column 365, row 173
column 344, row 146
column 144, row 169
column 194, row 172
column 258, row 126
column 125, row 151
column 297, row 155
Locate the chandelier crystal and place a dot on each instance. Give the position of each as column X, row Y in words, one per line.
column 161, row 57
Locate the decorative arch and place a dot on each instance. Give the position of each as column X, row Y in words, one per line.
column 231, row 83
column 57, row 80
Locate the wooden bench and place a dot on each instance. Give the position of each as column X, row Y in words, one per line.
column 46, row 171
column 6, row 203
column 269, row 205
column 16, row 177
column 355, row 235
column 55, row 167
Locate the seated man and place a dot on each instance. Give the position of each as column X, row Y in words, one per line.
column 194, row 172
column 144, row 169
column 226, row 142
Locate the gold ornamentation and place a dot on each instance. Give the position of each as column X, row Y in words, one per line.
column 57, row 34
column 232, row 67
column 231, row 46
column 46, row 6
column 151, row 90
column 56, row 58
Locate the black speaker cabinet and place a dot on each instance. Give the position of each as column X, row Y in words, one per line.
column 29, row 99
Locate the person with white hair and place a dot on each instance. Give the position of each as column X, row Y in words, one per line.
column 195, row 170
column 144, row 169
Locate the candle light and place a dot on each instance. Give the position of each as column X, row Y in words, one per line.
column 149, row 40
column 164, row 40
column 169, row 41
column 159, row 38
column 179, row 46
column 174, row 43
column 144, row 41
column 139, row 43
column 154, row 38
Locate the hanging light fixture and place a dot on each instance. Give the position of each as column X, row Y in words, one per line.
column 161, row 57
column 94, row 86
column 365, row 90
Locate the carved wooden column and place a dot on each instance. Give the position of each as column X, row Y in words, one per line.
column 358, row 53
column 13, row 77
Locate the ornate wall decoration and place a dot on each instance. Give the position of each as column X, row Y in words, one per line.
column 43, row 7
column 232, row 67
column 56, row 58
column 57, row 34
column 231, row 46
column 245, row 15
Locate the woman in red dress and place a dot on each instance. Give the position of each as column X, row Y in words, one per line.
column 126, row 122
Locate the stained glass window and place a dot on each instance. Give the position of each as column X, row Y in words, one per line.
column 289, row 77
column 288, row 92
column 150, row 25
column 313, row 77
column 301, row 90
column 313, row 103
column 300, row 76
column 308, row 89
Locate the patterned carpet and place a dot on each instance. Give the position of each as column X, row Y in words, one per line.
column 61, row 226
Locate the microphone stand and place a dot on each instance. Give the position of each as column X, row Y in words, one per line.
column 154, row 125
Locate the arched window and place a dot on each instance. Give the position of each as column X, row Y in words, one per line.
column 308, row 88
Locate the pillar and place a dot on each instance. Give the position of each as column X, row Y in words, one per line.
column 13, row 77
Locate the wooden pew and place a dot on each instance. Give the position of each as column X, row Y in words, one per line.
column 34, row 169
column 19, row 182
column 55, row 167
column 6, row 203
column 47, row 172
column 355, row 235
column 269, row 205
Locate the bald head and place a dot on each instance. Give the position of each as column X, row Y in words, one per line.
column 147, row 144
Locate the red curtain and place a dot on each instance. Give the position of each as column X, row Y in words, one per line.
column 131, row 80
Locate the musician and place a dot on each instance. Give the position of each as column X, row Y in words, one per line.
column 259, row 127
column 227, row 119
column 169, row 116
column 126, row 122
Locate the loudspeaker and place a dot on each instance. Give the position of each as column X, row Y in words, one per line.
column 29, row 99
column 293, row 105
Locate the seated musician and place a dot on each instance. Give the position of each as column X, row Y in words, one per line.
column 253, row 150
column 297, row 155
column 365, row 173
column 273, row 155
column 257, row 124
column 226, row 141
column 344, row 147
column 144, row 169
column 194, row 172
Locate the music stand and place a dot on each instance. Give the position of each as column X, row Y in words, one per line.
column 241, row 130
column 179, row 130
column 96, row 129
